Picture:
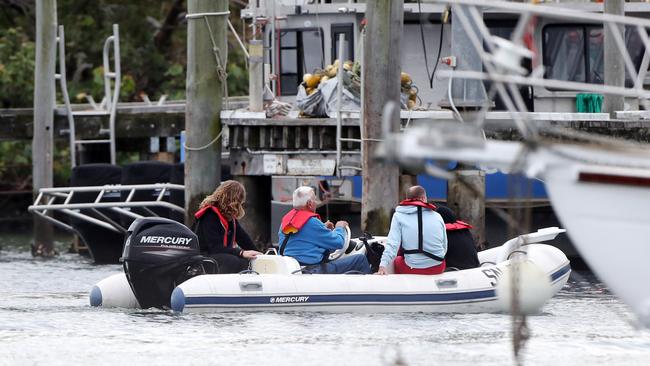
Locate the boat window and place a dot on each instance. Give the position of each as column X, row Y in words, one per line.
column 348, row 31
column 564, row 53
column 576, row 52
column 312, row 50
column 301, row 51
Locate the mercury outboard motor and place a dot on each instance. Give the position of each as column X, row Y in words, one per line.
column 160, row 254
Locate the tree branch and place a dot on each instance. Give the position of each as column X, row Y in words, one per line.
column 162, row 38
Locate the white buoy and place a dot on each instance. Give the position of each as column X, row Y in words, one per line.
column 534, row 290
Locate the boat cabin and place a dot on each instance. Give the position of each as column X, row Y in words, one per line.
column 301, row 36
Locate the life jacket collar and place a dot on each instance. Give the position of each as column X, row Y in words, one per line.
column 458, row 225
column 295, row 219
column 417, row 203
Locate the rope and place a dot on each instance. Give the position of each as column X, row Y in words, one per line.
column 221, row 71
column 204, row 146
column 205, row 15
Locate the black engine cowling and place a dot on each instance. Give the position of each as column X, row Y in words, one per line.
column 160, row 254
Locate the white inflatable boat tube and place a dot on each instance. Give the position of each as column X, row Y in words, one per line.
column 468, row 291
column 113, row 292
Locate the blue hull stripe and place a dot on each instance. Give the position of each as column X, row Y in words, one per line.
column 353, row 299
column 341, row 298
column 560, row 272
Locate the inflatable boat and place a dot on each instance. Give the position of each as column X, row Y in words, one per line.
column 276, row 282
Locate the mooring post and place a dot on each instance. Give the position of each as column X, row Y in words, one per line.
column 614, row 65
column 466, row 197
column 44, row 101
column 381, row 75
column 257, row 220
column 255, row 75
column 207, row 21
column 406, row 181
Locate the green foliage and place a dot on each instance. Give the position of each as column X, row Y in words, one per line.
column 174, row 84
column 16, row 69
column 148, row 67
column 16, row 165
column 237, row 73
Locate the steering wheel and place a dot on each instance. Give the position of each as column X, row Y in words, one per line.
column 346, row 243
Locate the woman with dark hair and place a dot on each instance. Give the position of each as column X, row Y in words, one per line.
column 461, row 250
column 220, row 234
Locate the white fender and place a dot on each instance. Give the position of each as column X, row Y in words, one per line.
column 534, row 287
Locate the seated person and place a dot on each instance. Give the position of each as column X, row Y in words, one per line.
column 420, row 232
column 461, row 250
column 306, row 238
column 219, row 231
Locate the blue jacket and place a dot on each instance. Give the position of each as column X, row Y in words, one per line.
column 312, row 241
column 404, row 231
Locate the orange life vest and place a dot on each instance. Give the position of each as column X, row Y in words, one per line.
column 294, row 220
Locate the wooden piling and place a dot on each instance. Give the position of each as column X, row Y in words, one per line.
column 257, row 220
column 466, row 197
column 204, row 92
column 613, row 61
column 44, row 101
column 381, row 78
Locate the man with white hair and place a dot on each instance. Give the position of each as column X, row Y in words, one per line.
column 306, row 238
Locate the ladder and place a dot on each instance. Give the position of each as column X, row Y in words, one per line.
column 108, row 106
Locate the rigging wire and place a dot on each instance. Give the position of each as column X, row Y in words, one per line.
column 430, row 75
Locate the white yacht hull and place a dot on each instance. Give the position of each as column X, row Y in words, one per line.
column 609, row 224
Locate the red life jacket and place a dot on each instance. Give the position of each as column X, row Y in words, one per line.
column 458, row 225
column 223, row 221
column 420, row 250
column 417, row 203
column 294, row 220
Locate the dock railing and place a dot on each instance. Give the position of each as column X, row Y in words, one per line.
column 58, row 200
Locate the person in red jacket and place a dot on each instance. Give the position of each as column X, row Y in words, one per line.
column 220, row 234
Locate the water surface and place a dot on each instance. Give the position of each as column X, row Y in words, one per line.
column 45, row 319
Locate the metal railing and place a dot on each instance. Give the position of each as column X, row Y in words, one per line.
column 108, row 105
column 51, row 200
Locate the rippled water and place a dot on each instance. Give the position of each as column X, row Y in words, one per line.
column 45, row 319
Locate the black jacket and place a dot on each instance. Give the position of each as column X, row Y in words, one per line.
column 210, row 232
column 461, row 252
